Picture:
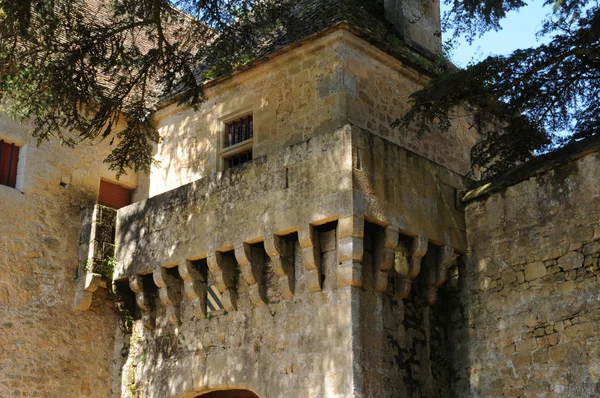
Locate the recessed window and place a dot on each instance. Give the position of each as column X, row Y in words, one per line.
column 237, row 142
column 238, row 131
column 237, row 159
column 9, row 159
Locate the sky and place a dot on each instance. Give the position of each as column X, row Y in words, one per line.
column 519, row 31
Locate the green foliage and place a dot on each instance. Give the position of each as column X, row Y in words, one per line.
column 107, row 267
column 87, row 71
column 124, row 313
column 523, row 102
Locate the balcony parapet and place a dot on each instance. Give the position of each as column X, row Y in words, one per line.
column 96, row 253
column 316, row 196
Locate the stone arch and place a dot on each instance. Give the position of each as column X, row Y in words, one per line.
column 229, row 394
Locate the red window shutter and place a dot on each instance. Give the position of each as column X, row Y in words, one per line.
column 113, row 195
column 9, row 159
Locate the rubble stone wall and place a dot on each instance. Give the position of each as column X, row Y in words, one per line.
column 46, row 348
column 529, row 306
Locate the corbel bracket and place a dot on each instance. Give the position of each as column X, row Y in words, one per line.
column 350, row 251
column 194, row 287
column 162, row 280
column 274, row 247
column 438, row 275
column 86, row 287
column 410, row 269
column 137, row 286
column 252, row 272
column 386, row 264
column 308, row 238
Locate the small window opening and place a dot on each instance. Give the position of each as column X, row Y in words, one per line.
column 237, row 142
column 237, row 159
column 239, row 131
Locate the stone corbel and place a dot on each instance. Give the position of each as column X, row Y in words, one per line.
column 281, row 266
column 162, row 280
column 194, row 287
column 387, row 259
column 136, row 285
column 86, row 287
column 252, row 272
column 224, row 272
column 438, row 275
column 410, row 269
column 308, row 238
column 350, row 251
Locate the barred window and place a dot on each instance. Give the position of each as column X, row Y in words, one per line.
column 237, row 142
column 238, row 131
column 237, row 159
column 9, row 158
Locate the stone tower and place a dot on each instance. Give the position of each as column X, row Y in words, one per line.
column 312, row 270
column 290, row 242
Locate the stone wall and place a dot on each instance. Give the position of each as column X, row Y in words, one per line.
column 529, row 316
column 378, row 93
column 299, row 347
column 354, row 199
column 319, row 85
column 46, row 348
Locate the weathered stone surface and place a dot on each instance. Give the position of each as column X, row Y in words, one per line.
column 551, row 309
column 316, row 303
column 570, row 261
column 46, row 348
column 535, row 271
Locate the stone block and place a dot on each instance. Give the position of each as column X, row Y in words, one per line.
column 534, row 271
column 567, row 353
column 580, row 234
column 509, row 350
column 521, row 360
column 581, row 331
column 553, row 339
column 591, row 248
column 509, row 276
column 526, row 345
column 541, row 356
column 571, row 260
column 566, row 287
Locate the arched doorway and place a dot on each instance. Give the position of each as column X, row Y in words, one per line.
column 229, row 394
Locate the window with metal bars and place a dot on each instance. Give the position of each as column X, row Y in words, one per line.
column 9, row 157
column 238, row 131
column 237, row 159
column 237, row 142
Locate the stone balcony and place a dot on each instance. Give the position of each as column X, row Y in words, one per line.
column 239, row 223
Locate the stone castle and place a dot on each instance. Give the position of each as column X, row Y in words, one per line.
column 291, row 243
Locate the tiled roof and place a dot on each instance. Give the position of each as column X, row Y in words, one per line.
column 367, row 17
column 311, row 17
